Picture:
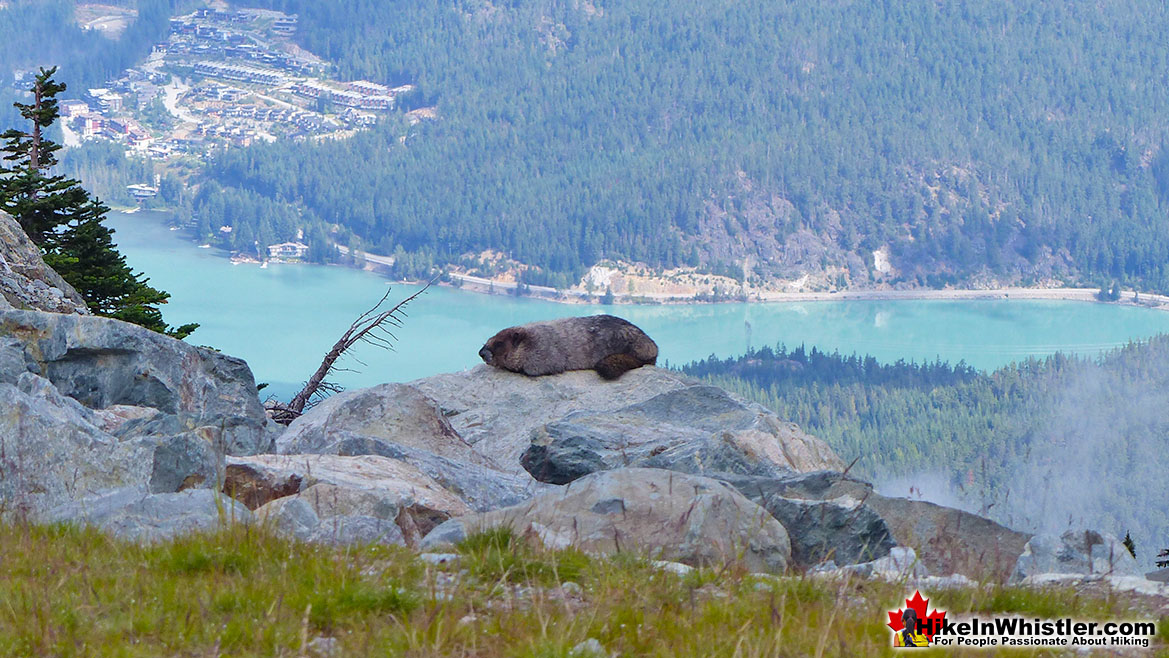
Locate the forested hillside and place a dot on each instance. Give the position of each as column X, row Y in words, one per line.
column 44, row 33
column 1041, row 444
column 981, row 141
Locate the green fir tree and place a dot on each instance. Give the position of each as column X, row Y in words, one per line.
column 66, row 223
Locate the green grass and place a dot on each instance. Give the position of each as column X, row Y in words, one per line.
column 244, row 592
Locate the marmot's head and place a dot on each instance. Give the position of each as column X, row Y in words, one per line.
column 505, row 349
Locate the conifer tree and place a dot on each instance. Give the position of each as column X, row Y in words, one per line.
column 62, row 219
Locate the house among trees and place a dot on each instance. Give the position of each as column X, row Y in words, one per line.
column 288, row 250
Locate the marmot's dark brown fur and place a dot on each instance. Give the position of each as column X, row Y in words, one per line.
column 604, row 343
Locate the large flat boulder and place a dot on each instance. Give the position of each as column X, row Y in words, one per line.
column 824, row 515
column 663, row 514
column 949, row 540
column 345, row 490
column 481, row 487
column 26, row 283
column 834, row 517
column 132, row 514
column 398, row 413
column 498, row 411
column 702, row 430
column 104, row 363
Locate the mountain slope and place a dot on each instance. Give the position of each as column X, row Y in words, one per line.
column 978, row 141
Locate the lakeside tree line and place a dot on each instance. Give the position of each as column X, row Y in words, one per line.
column 1042, row 444
column 975, row 138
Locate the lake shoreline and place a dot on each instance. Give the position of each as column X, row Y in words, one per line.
column 281, row 319
column 1143, row 300
column 492, row 287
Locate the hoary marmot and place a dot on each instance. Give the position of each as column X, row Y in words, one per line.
column 604, row 343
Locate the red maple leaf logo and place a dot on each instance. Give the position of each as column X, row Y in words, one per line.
column 931, row 622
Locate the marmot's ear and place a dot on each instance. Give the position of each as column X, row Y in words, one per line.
column 519, row 337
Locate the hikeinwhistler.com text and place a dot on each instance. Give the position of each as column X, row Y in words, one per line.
column 1018, row 632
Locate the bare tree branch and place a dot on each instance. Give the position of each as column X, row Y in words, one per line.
column 362, row 330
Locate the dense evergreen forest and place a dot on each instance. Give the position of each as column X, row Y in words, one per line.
column 1040, row 444
column 979, row 140
column 44, row 33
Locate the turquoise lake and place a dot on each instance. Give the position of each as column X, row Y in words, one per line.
column 283, row 318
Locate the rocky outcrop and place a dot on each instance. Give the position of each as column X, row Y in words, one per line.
column 663, row 514
column 949, row 540
column 833, row 517
column 26, row 283
column 131, row 514
column 1075, row 552
column 393, row 412
column 103, row 363
column 54, row 450
column 295, row 516
column 90, row 406
column 481, row 487
column 344, row 491
column 499, row 412
column 827, row 520
column 701, row 430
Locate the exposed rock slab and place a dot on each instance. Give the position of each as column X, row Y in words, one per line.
column 664, row 514
column 824, row 515
column 343, row 518
column 395, row 412
column 498, row 411
column 54, row 450
column 949, row 540
column 482, row 488
column 702, row 430
column 130, row 513
column 26, row 283
column 103, row 363
column 945, row 540
column 333, row 486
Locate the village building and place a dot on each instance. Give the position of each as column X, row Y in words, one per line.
column 288, row 250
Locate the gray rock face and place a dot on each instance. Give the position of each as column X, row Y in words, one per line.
column 834, row 517
column 701, row 430
column 665, row 514
column 480, row 487
column 53, row 449
column 103, row 363
column 949, row 540
column 91, row 405
column 339, row 490
column 394, row 412
column 498, row 411
column 1079, row 552
column 133, row 514
column 825, row 518
column 296, row 517
column 25, row 281
column 899, row 565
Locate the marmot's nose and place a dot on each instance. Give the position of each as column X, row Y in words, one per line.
column 485, row 354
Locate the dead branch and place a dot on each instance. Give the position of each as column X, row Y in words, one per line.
column 371, row 327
